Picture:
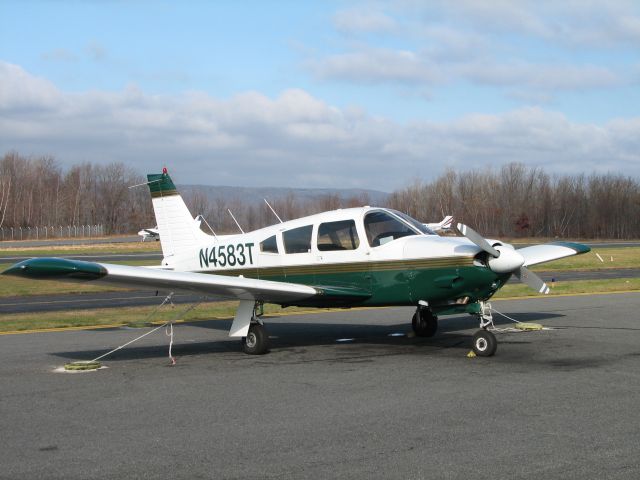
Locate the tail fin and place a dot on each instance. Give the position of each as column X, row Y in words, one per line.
column 179, row 232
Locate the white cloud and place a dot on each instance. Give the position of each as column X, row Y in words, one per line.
column 535, row 48
column 359, row 20
column 293, row 139
column 372, row 66
column 377, row 66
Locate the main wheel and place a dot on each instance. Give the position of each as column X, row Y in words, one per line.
column 257, row 341
column 424, row 323
column 484, row 343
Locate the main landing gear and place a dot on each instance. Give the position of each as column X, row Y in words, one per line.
column 424, row 322
column 247, row 325
column 484, row 341
column 257, row 340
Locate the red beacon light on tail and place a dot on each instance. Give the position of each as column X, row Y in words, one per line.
column 164, row 170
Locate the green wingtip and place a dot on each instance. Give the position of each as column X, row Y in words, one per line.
column 578, row 247
column 56, row 268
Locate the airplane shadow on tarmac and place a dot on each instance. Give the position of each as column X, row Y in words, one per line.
column 285, row 336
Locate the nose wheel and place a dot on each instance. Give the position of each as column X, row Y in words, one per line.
column 484, row 343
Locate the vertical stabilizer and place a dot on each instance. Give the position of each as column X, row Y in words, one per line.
column 178, row 230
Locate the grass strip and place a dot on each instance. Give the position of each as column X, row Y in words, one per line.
column 97, row 249
column 626, row 257
column 125, row 316
column 573, row 287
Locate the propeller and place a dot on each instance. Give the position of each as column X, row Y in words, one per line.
column 505, row 259
column 534, row 281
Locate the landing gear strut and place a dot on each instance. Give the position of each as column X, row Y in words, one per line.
column 248, row 326
column 484, row 342
column 424, row 322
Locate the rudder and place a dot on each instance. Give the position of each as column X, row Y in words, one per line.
column 178, row 230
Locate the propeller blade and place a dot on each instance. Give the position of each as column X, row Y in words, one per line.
column 534, row 281
column 476, row 238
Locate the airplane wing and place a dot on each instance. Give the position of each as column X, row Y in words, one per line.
column 220, row 285
column 550, row 251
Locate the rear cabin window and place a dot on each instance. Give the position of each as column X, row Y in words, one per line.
column 338, row 236
column 270, row 245
column 382, row 227
column 297, row 240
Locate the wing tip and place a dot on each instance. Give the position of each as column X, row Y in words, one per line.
column 579, row 248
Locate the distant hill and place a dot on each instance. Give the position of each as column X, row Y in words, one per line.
column 255, row 195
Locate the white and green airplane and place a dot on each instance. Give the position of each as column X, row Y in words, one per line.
column 351, row 257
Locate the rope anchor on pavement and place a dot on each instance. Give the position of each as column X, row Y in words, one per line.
column 95, row 363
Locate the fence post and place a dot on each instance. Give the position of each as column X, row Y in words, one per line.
column 11, row 233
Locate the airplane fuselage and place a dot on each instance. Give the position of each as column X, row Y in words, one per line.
column 360, row 253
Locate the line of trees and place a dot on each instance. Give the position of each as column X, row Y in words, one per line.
column 37, row 192
column 513, row 201
column 519, row 201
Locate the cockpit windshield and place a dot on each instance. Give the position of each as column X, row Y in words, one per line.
column 420, row 226
column 382, row 227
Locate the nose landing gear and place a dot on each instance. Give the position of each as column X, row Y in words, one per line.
column 484, row 341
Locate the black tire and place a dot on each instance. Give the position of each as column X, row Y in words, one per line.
column 484, row 343
column 257, row 341
column 424, row 323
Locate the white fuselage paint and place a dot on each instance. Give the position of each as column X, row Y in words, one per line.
column 247, row 246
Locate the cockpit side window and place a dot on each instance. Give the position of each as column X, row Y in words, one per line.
column 340, row 235
column 270, row 245
column 382, row 227
column 298, row 240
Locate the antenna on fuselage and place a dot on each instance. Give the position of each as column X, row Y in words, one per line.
column 234, row 219
column 201, row 218
column 274, row 212
column 145, row 183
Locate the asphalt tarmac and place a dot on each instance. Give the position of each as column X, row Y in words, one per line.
column 339, row 396
column 136, row 298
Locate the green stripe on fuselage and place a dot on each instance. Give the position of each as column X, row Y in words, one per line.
column 397, row 282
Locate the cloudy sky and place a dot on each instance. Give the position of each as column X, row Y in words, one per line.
column 326, row 93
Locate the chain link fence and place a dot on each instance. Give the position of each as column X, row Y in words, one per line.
column 45, row 232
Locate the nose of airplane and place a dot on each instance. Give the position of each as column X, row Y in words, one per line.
column 508, row 261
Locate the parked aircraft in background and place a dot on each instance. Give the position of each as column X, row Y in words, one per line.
column 445, row 225
column 149, row 234
column 363, row 256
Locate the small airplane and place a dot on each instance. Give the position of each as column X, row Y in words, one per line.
column 149, row 233
column 154, row 233
column 364, row 256
column 444, row 225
